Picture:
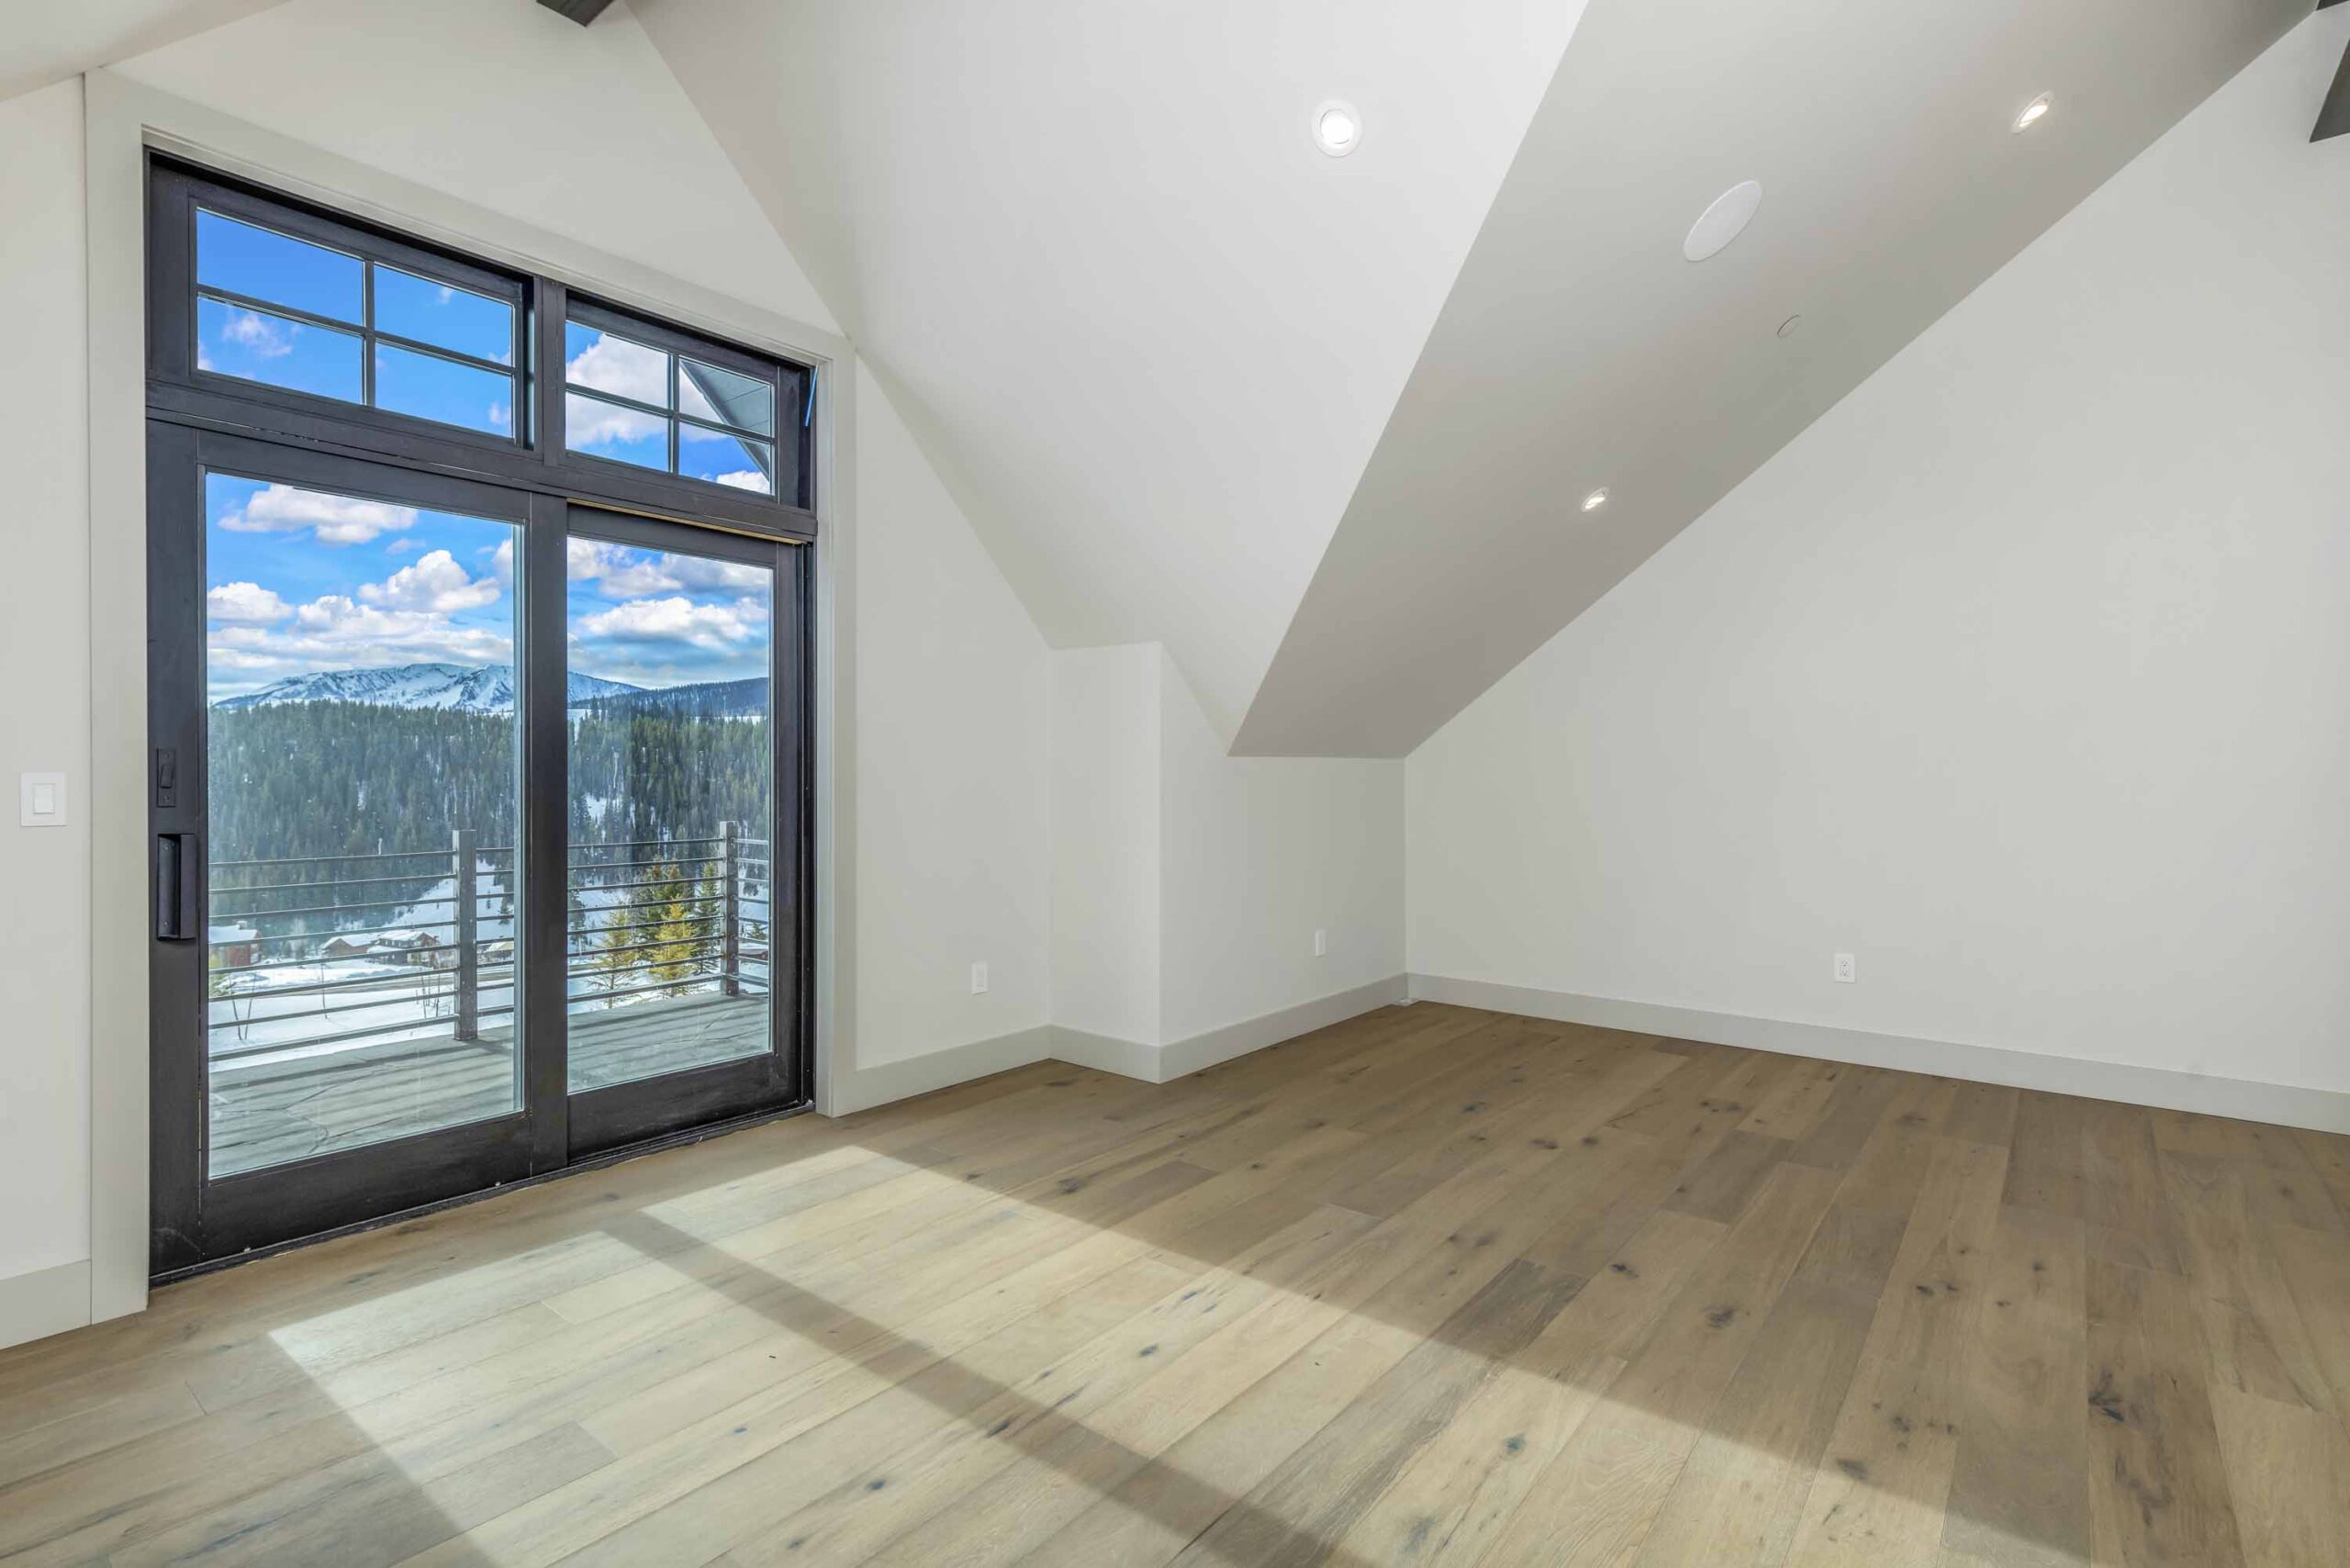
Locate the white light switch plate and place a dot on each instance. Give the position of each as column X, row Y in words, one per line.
column 41, row 800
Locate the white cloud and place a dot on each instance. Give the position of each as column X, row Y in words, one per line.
column 501, row 563
column 608, row 422
column 259, row 336
column 435, row 584
column 746, row 479
column 337, row 520
column 615, row 365
column 336, row 632
column 402, row 547
column 620, row 572
column 244, row 604
column 711, row 628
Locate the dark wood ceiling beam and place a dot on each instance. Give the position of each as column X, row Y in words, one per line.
column 580, row 11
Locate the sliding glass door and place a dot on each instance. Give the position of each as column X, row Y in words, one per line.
column 675, row 767
column 478, row 703
column 475, row 833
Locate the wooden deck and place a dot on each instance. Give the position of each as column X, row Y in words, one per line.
column 1433, row 1287
column 265, row 1115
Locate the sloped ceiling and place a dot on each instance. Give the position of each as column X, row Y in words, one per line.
column 505, row 104
column 1146, row 332
column 1189, row 376
column 1579, row 349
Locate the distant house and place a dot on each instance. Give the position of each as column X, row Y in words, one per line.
column 346, row 946
column 232, row 946
column 419, row 949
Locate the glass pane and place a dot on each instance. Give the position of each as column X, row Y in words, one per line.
column 672, row 904
column 723, row 459
column 723, row 397
column 613, row 365
column 278, row 350
column 239, row 258
column 443, row 315
column 430, row 388
column 607, row 430
column 360, row 962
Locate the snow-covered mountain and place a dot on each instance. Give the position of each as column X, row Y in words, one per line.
column 487, row 690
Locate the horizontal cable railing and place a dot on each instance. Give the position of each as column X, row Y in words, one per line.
column 649, row 918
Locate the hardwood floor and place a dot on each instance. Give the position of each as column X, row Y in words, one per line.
column 1433, row 1286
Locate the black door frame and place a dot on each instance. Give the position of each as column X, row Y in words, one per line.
column 196, row 1219
column 199, row 1220
column 600, row 1120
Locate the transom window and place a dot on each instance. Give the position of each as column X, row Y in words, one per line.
column 290, row 313
column 276, row 319
column 634, row 402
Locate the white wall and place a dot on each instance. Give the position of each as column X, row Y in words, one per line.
column 1257, row 853
column 506, row 104
column 44, row 658
column 954, row 692
column 1188, row 884
column 1105, row 849
column 2023, row 675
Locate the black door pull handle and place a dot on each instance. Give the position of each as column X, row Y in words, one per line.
column 177, row 880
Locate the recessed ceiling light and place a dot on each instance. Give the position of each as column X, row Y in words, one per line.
column 1338, row 129
column 1723, row 221
column 2035, row 111
column 1597, row 500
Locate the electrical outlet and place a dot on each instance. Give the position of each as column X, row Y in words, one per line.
column 1321, row 943
column 979, row 980
column 1847, row 970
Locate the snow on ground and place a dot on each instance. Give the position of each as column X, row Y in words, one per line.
column 410, row 1003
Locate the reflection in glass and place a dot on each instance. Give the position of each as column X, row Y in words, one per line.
column 672, row 896
column 442, row 390
column 260, row 264
column 725, row 397
column 613, row 365
column 721, row 459
column 607, row 430
column 363, row 771
column 258, row 345
column 443, row 315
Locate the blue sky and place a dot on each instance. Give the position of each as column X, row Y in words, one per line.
column 261, row 345
column 300, row 581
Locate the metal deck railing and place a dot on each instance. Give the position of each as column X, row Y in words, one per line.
column 329, row 953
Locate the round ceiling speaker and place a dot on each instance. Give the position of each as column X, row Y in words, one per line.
column 1725, row 220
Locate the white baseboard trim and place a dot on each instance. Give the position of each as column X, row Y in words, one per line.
column 886, row 1081
column 2324, row 1110
column 45, row 1302
column 1180, row 1058
column 1106, row 1053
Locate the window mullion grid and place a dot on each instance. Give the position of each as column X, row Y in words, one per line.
column 287, row 312
column 367, row 328
column 454, row 356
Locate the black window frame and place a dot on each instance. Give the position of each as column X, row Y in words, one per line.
column 198, row 422
column 793, row 413
column 535, row 456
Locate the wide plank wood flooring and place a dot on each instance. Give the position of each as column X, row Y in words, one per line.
column 1432, row 1286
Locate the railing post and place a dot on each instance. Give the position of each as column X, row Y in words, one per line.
column 730, row 941
column 468, row 950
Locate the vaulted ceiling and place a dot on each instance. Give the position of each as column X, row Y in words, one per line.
column 1320, row 425
column 1145, row 329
